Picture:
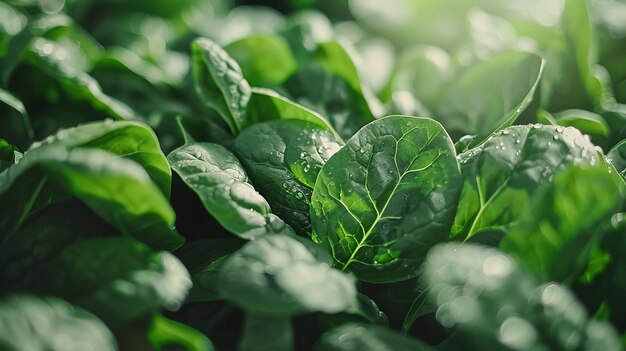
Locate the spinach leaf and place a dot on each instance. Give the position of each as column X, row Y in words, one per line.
column 131, row 140
column 219, row 83
column 557, row 231
column 50, row 324
column 139, row 283
column 511, row 78
column 501, row 175
column 495, row 305
column 366, row 337
column 222, row 184
column 338, row 60
column 359, row 206
column 285, row 167
column 332, row 97
column 267, row 105
column 118, row 190
column 265, row 59
column 581, row 46
column 279, row 275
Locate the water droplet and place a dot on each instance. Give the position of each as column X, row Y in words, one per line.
column 302, row 154
column 549, row 143
column 506, row 132
column 537, row 125
column 555, row 137
column 307, row 167
column 609, row 160
column 285, row 185
column 517, row 141
column 559, row 129
column 299, row 196
column 390, row 171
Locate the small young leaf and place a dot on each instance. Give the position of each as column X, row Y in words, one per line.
column 265, row 59
column 219, row 83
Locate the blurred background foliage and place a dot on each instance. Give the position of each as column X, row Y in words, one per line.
column 417, row 57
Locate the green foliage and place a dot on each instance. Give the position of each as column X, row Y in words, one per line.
column 302, row 204
column 359, row 207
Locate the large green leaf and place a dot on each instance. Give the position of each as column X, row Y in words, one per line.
column 222, row 184
column 491, row 94
column 359, row 206
column 49, row 324
column 495, row 305
column 366, row 337
column 557, row 231
column 118, row 190
column 219, row 82
column 265, row 59
column 280, row 275
column 501, row 175
column 118, row 279
column 131, row 140
column 283, row 159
